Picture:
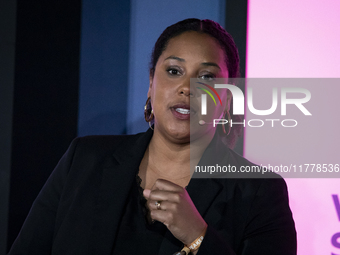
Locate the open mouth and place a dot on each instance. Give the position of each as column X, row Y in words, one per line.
column 182, row 110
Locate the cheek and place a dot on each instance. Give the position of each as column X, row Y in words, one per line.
column 219, row 109
column 161, row 98
column 218, row 112
column 162, row 89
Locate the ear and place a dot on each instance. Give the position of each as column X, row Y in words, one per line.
column 150, row 85
column 229, row 97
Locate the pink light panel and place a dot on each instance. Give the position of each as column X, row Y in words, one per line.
column 301, row 39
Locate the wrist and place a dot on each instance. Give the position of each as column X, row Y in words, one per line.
column 195, row 233
column 194, row 246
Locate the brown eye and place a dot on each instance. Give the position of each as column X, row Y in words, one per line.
column 207, row 77
column 173, row 71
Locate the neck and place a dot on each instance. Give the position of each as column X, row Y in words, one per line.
column 171, row 159
column 168, row 158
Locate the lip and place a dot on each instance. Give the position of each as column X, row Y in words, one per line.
column 179, row 115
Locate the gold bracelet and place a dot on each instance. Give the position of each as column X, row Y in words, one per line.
column 197, row 243
column 186, row 251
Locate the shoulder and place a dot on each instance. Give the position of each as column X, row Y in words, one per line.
column 256, row 182
column 101, row 144
column 249, row 178
column 256, row 176
column 105, row 141
column 89, row 151
column 221, row 162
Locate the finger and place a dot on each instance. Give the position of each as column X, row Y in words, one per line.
column 164, row 205
column 165, row 217
column 161, row 184
column 146, row 193
column 164, row 195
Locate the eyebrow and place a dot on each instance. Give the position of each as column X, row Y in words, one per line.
column 176, row 58
column 204, row 63
column 211, row 64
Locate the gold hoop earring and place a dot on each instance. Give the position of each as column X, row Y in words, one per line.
column 148, row 112
column 229, row 119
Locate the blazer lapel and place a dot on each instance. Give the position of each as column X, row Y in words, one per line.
column 119, row 172
column 203, row 191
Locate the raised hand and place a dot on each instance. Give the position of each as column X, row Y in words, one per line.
column 171, row 204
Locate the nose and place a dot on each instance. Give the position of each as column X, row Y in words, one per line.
column 185, row 89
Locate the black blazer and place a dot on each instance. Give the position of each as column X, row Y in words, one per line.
column 79, row 208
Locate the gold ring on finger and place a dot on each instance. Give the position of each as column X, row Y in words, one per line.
column 158, row 205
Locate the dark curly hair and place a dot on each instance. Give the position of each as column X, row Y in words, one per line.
column 226, row 42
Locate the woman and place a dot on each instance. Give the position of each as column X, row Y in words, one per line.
column 134, row 194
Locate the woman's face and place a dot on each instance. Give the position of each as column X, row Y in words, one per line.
column 189, row 55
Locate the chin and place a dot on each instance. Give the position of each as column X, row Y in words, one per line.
column 180, row 133
column 202, row 133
